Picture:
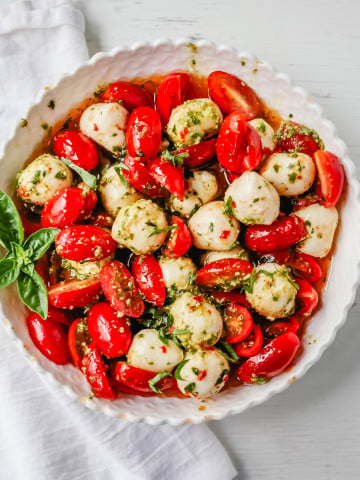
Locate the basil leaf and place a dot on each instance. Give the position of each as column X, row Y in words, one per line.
column 177, row 371
column 39, row 242
column 230, row 352
column 11, row 229
column 87, row 177
column 156, row 379
column 162, row 336
column 29, row 269
column 9, row 271
column 33, row 293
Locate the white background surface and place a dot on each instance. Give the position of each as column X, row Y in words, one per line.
column 313, row 429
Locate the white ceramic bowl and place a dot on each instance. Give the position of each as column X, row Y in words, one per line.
column 275, row 89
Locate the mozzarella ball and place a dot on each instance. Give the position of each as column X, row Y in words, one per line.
column 105, row 123
column 178, row 273
column 273, row 294
column 83, row 270
column 290, row 173
column 253, row 199
column 193, row 121
column 42, row 179
column 236, row 252
column 201, row 320
column 136, row 224
column 267, row 135
column 148, row 352
column 201, row 187
column 114, row 193
column 204, row 374
column 212, row 229
column 321, row 223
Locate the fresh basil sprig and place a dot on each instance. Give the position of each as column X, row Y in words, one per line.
column 86, row 177
column 19, row 262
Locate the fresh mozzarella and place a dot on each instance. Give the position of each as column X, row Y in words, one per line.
column 252, row 199
column 290, row 173
column 212, row 229
column 200, row 320
column 236, row 252
column 42, row 179
column 204, row 374
column 178, row 273
column 267, row 135
column 149, row 352
column 273, row 294
column 106, row 123
column 321, row 223
column 201, row 188
column 193, row 121
column 83, row 270
column 141, row 227
column 116, row 194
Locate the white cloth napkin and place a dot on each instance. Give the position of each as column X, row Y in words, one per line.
column 43, row 433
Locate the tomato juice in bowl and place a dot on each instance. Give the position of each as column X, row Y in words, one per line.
column 230, row 399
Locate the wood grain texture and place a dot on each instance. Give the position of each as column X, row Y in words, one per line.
column 311, row 430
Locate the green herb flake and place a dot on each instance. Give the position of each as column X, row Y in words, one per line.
column 169, row 228
column 177, row 372
column 154, row 381
column 292, row 177
column 228, row 207
column 177, row 159
column 190, row 387
column 51, row 104
column 23, row 123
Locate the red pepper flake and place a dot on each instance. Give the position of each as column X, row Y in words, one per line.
column 171, row 329
column 201, row 375
column 199, row 298
column 96, row 128
column 225, row 234
column 163, row 349
column 183, row 133
column 233, row 204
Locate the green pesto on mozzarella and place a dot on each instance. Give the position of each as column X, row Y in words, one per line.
column 177, row 273
column 84, row 270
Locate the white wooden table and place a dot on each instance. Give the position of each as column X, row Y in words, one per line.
column 313, row 429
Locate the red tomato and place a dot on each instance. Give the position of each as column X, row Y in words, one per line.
column 90, row 199
column 295, row 137
column 42, row 268
column 271, row 360
column 252, row 344
column 29, row 225
column 59, row 316
column 198, row 154
column 279, row 235
column 274, row 329
column 130, row 95
column 138, row 379
column 110, row 332
column 179, row 240
column 76, row 147
column 95, row 371
column 75, row 293
column 171, row 93
column 78, row 339
column 84, row 242
column 307, row 296
column 139, row 177
column 238, row 323
column 238, row 145
column 149, row 279
column 167, row 175
column 303, row 202
column 231, row 93
column 101, row 219
column 330, row 178
column 63, row 209
column 49, row 337
column 307, row 267
column 143, row 133
column 227, row 273
column 119, row 288
column 230, row 297
column 282, row 257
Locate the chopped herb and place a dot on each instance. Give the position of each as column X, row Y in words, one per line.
column 192, row 278
column 153, row 382
column 292, row 177
column 177, row 159
column 276, row 167
column 177, row 371
column 211, row 227
column 195, row 370
column 23, row 123
column 99, row 92
column 179, row 331
column 162, row 336
column 36, row 177
column 261, row 128
column 51, row 104
column 248, row 285
column 223, row 374
column 228, row 206
column 44, row 126
column 233, row 245
column 86, row 176
column 243, row 63
column 230, row 353
column 119, row 169
column 166, row 229
column 189, row 388
column 66, row 124
column 60, row 175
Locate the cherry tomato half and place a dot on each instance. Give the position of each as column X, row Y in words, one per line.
column 77, row 147
column 90, row 198
column 230, row 297
column 279, row 235
column 94, row 369
column 277, row 328
column 167, row 175
column 119, row 288
column 330, row 178
column 78, row 339
column 63, row 209
column 84, row 242
column 298, row 138
column 171, row 93
column 179, row 240
column 238, row 145
column 252, row 344
column 238, row 323
column 149, row 279
column 101, row 219
column 198, row 154
column 74, row 294
column 231, row 93
column 227, row 273
column 138, row 379
column 60, row 316
column 271, row 360
column 307, row 267
column 139, row 177
column 282, row 257
column 307, row 296
column 110, row 332
column 130, row 95
column 49, row 337
column 143, row 133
